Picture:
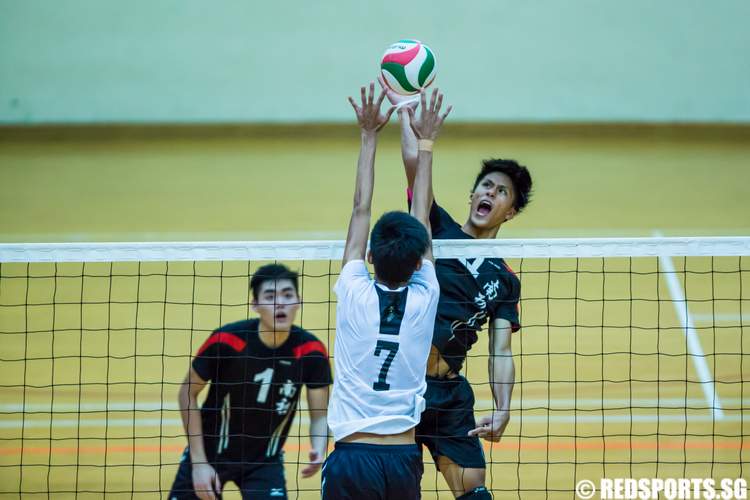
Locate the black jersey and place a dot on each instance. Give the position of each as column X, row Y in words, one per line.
column 254, row 389
column 471, row 291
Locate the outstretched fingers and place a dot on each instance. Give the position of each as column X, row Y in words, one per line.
column 413, row 122
column 354, row 104
column 435, row 93
column 380, row 98
column 439, row 103
column 410, row 112
column 387, row 116
column 381, row 82
column 368, row 111
column 445, row 115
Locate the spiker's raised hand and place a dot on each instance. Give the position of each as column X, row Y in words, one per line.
column 428, row 124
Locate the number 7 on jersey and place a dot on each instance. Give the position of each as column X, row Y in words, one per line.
column 392, row 348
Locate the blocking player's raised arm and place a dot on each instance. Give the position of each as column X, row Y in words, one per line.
column 370, row 121
column 426, row 128
column 408, row 139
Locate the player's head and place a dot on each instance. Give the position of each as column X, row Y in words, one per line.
column 397, row 243
column 275, row 296
column 501, row 190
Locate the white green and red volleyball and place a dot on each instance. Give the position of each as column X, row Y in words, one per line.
column 408, row 66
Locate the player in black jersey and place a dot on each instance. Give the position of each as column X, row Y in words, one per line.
column 256, row 369
column 472, row 291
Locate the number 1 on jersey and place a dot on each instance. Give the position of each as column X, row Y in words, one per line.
column 392, row 348
column 265, row 378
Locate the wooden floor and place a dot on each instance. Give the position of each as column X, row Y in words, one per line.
column 607, row 384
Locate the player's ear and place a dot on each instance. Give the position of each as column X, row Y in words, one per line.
column 369, row 256
column 511, row 213
column 254, row 305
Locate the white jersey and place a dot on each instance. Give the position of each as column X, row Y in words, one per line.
column 383, row 339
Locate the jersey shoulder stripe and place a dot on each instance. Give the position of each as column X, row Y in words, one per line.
column 227, row 338
column 308, row 347
column 508, row 268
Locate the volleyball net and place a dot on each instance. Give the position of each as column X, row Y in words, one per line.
column 632, row 360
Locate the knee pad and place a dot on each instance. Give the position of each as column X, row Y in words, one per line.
column 478, row 493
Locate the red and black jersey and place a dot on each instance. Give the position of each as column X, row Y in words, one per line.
column 254, row 390
column 471, row 292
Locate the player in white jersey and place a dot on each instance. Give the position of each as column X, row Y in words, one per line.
column 383, row 326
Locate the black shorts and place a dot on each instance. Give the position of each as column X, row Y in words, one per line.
column 446, row 421
column 255, row 480
column 359, row 471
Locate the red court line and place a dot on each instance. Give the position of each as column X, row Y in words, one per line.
column 503, row 446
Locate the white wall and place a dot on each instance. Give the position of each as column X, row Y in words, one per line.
column 296, row 61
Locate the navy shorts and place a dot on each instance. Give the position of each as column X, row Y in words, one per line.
column 359, row 471
column 446, row 421
column 255, row 480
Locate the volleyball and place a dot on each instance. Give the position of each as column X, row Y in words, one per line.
column 408, row 66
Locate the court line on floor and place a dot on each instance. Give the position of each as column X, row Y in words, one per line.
column 720, row 318
column 508, row 444
column 176, row 423
column 691, row 336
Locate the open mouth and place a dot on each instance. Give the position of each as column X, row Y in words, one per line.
column 280, row 317
column 484, row 208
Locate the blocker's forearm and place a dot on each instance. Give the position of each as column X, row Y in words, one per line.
column 365, row 171
column 420, row 204
column 359, row 223
column 408, row 147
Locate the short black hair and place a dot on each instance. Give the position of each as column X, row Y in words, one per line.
column 272, row 272
column 518, row 174
column 397, row 243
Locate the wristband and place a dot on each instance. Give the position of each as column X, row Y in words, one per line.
column 425, row 145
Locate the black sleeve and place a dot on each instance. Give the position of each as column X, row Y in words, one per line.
column 506, row 306
column 316, row 370
column 440, row 220
column 207, row 360
column 508, row 310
